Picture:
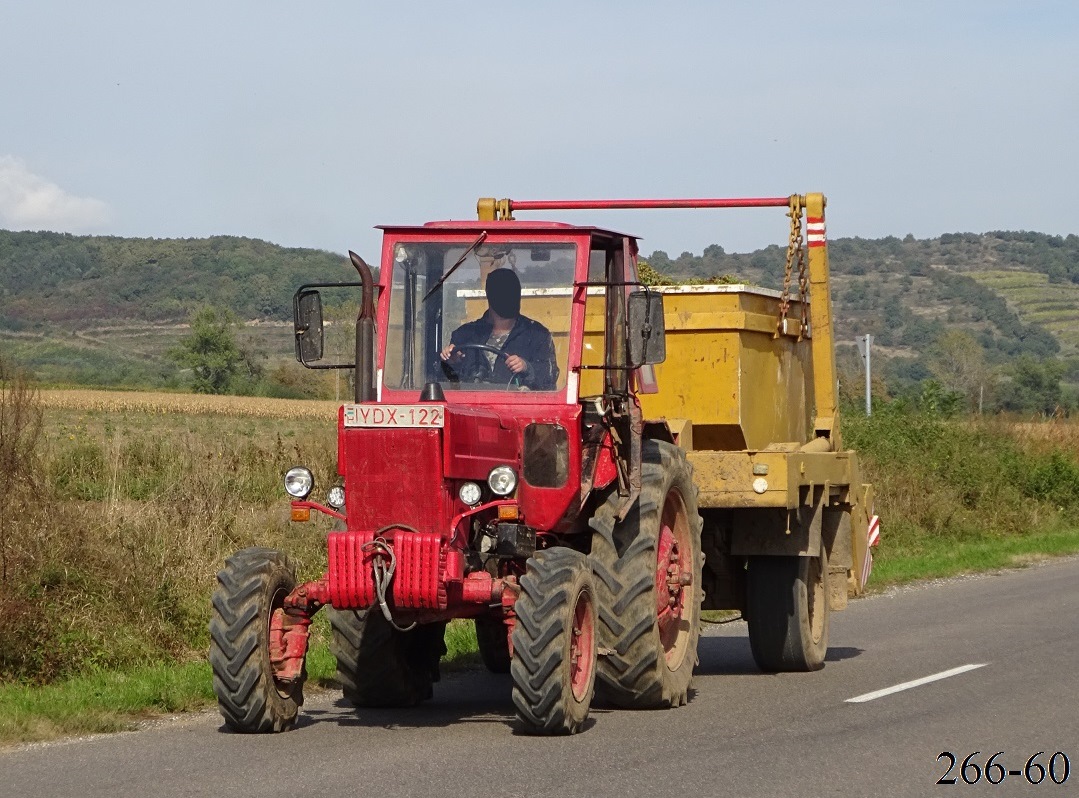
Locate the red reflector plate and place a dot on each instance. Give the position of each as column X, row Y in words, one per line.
column 426, row 415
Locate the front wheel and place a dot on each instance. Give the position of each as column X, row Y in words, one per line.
column 554, row 643
column 493, row 643
column 380, row 666
column 787, row 612
column 251, row 590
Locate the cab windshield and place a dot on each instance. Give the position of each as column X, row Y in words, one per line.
column 477, row 316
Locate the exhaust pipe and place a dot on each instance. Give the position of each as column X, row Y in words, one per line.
column 365, row 333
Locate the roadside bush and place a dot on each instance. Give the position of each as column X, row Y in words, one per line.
column 21, row 444
column 111, row 547
column 954, row 478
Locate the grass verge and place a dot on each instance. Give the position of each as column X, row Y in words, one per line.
column 934, row 558
column 110, row 701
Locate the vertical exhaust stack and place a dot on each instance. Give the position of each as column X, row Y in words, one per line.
column 365, row 333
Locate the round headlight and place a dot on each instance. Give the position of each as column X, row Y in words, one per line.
column 502, row 480
column 335, row 497
column 469, row 493
column 298, row 482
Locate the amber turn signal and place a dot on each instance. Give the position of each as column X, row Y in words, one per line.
column 507, row 512
column 301, row 514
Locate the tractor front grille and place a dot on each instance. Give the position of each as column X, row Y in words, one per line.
column 418, row 578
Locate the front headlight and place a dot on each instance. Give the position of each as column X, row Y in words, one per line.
column 335, row 497
column 469, row 493
column 299, row 482
column 502, row 480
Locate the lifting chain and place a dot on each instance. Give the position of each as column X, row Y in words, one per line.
column 795, row 252
column 384, row 563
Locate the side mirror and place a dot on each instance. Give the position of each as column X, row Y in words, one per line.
column 307, row 324
column 647, row 335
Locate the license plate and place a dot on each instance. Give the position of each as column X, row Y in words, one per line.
column 395, row 416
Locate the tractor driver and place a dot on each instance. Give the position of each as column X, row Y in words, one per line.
column 525, row 348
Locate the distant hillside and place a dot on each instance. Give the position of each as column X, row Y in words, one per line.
column 58, row 279
column 105, row 309
column 1017, row 293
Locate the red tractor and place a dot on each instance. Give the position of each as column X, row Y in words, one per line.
column 496, row 465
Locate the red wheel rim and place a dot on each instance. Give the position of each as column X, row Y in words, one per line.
column 582, row 647
column 674, row 579
column 277, row 642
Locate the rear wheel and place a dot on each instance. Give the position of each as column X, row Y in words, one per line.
column 554, row 643
column 493, row 644
column 380, row 666
column 648, row 581
column 787, row 612
column 250, row 592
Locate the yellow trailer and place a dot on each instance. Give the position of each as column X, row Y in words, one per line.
column 748, row 390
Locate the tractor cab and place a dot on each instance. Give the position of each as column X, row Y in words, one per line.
column 570, row 319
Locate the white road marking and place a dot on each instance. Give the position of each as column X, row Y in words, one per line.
column 936, row 677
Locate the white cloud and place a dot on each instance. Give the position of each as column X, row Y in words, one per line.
column 31, row 202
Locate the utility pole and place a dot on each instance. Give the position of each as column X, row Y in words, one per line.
column 865, row 346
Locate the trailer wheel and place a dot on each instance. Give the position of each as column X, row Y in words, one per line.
column 648, row 581
column 250, row 590
column 493, row 643
column 787, row 612
column 380, row 666
column 554, row 643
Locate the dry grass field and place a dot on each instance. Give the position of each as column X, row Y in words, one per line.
column 122, row 508
column 1044, row 435
column 80, row 400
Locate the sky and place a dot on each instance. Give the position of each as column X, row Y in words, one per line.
column 307, row 124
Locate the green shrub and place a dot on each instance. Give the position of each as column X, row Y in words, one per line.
column 947, row 477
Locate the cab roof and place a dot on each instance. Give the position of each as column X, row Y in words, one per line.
column 504, row 226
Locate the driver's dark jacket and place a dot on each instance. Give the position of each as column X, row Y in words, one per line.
column 528, row 339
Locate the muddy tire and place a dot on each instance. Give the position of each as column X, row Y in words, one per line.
column 493, row 644
column 554, row 643
column 787, row 612
column 648, row 581
column 250, row 589
column 380, row 666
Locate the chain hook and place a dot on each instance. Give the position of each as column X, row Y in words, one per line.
column 803, row 278
column 794, row 251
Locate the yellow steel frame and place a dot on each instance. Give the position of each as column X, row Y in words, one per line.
column 820, row 319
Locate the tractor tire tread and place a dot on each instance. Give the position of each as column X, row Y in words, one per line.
column 379, row 666
column 548, row 594
column 634, row 674
column 242, row 676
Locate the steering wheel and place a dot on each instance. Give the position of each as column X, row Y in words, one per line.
column 494, row 350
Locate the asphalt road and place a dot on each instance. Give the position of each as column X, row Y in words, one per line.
column 743, row 733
